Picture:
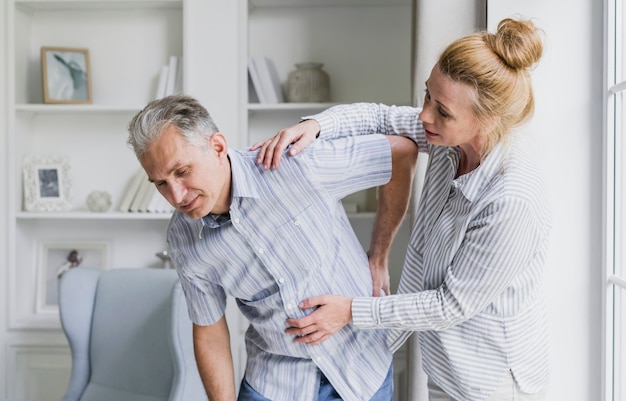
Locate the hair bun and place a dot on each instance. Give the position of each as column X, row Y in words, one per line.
column 517, row 43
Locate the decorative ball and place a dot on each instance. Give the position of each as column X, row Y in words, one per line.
column 99, row 201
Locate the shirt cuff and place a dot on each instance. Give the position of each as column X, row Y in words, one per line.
column 325, row 121
column 365, row 312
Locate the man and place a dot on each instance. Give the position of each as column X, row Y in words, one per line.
column 271, row 238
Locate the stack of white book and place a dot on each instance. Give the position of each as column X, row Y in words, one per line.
column 265, row 80
column 170, row 78
column 141, row 196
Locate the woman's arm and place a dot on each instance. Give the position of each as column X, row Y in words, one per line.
column 393, row 203
column 342, row 121
column 501, row 244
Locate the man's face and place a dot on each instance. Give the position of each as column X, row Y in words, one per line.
column 193, row 179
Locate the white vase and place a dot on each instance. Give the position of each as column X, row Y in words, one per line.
column 308, row 83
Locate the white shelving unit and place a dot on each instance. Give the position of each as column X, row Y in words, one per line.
column 128, row 42
column 365, row 47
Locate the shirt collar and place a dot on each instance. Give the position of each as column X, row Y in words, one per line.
column 243, row 185
column 473, row 183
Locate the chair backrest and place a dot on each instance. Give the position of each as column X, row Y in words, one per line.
column 130, row 336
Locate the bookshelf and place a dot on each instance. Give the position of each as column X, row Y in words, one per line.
column 129, row 41
column 364, row 46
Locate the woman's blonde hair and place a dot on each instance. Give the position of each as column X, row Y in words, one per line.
column 497, row 67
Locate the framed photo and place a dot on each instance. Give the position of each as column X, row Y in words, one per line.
column 66, row 76
column 47, row 184
column 55, row 259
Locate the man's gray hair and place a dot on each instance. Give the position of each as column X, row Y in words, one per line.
column 183, row 112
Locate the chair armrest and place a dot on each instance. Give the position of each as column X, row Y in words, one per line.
column 77, row 291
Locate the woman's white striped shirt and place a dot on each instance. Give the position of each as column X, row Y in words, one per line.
column 472, row 283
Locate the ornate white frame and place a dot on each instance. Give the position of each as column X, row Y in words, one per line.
column 34, row 200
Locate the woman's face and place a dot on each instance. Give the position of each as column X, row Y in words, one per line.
column 447, row 115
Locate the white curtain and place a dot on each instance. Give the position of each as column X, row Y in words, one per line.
column 435, row 25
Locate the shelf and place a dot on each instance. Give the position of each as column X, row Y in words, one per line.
column 63, row 5
column 85, row 215
column 33, row 109
column 328, row 3
column 288, row 106
column 272, row 107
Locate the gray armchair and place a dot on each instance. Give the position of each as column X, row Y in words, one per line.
column 130, row 336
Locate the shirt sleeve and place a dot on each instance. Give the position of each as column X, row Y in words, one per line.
column 347, row 165
column 371, row 118
column 206, row 301
column 498, row 247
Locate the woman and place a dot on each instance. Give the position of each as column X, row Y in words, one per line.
column 472, row 280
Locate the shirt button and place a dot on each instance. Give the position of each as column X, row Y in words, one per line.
column 297, row 222
column 261, row 250
column 281, row 280
column 236, row 220
column 319, row 358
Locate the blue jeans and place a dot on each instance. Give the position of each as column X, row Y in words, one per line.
column 326, row 391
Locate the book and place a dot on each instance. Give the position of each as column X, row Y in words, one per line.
column 140, row 197
column 252, row 95
column 172, row 71
column 269, row 80
column 178, row 83
column 162, row 82
column 158, row 204
column 144, row 205
column 131, row 190
column 256, row 80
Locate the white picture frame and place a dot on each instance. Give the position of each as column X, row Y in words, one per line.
column 56, row 258
column 47, row 184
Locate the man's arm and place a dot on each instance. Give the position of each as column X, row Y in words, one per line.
column 393, row 202
column 214, row 359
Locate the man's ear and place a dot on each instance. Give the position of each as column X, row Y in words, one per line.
column 218, row 143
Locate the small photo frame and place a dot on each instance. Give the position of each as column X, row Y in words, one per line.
column 47, row 184
column 55, row 259
column 66, row 76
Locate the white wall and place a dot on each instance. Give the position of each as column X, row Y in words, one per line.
column 566, row 132
column 3, row 201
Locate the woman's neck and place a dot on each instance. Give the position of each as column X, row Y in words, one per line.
column 468, row 162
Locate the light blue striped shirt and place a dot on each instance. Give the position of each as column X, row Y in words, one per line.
column 287, row 239
column 472, row 282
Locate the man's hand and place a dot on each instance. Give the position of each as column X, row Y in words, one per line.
column 300, row 135
column 332, row 313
